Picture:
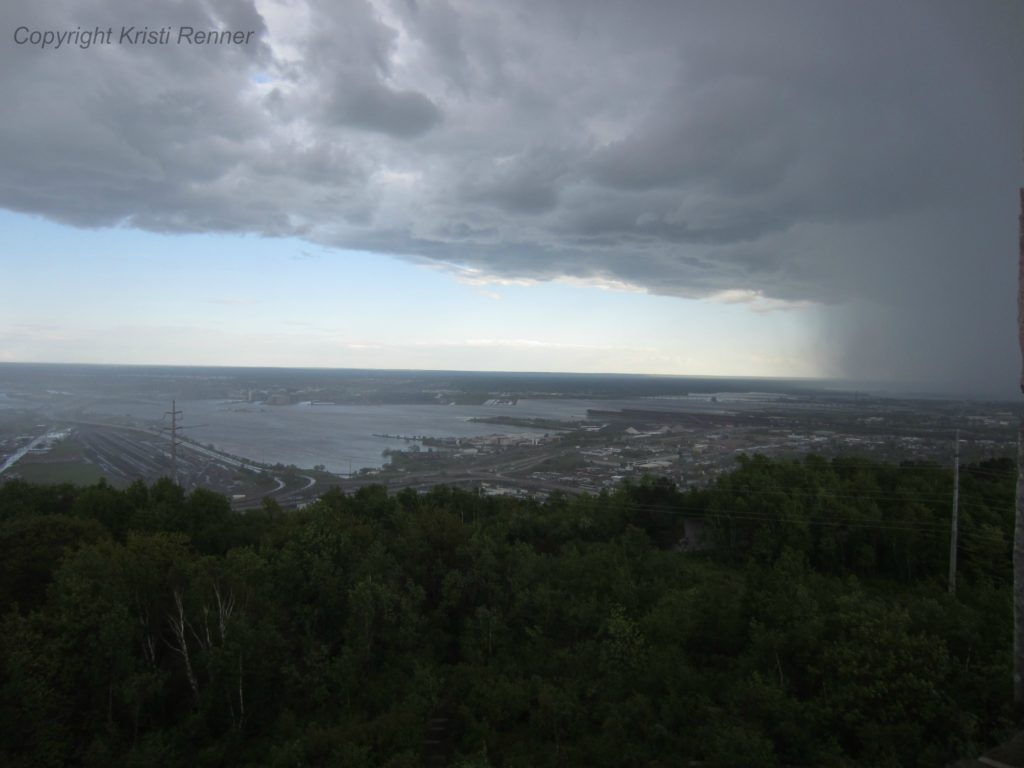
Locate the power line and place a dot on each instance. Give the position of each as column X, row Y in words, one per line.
column 770, row 517
column 837, row 466
column 799, row 494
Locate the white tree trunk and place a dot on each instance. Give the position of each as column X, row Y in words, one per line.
column 178, row 625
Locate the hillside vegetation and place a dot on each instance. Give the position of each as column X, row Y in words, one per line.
column 148, row 627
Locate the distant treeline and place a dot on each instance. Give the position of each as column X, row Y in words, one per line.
column 148, row 627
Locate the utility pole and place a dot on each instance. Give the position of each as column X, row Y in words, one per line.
column 956, row 508
column 1018, row 526
column 174, row 413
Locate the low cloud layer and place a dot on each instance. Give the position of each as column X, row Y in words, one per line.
column 859, row 155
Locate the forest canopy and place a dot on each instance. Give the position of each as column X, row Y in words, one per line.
column 808, row 624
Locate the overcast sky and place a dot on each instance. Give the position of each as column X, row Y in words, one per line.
column 741, row 188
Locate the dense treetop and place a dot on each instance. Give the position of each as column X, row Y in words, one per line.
column 152, row 627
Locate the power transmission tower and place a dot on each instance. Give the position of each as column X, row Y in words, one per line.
column 175, row 430
column 956, row 508
column 174, row 413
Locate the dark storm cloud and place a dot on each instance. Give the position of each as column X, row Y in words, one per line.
column 527, row 183
column 402, row 114
column 862, row 155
